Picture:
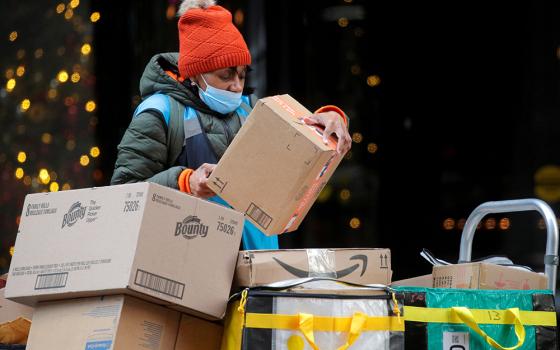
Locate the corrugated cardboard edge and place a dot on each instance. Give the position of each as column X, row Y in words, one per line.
column 131, row 275
column 242, row 267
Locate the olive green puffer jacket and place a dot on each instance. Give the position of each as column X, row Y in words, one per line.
column 149, row 148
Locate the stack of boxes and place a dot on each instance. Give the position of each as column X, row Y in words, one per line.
column 142, row 266
column 123, row 264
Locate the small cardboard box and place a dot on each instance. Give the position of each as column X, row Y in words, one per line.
column 355, row 265
column 139, row 239
column 420, row 281
column 276, row 166
column 10, row 310
column 486, row 276
column 197, row 334
column 115, row 322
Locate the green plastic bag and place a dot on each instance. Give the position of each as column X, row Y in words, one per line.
column 428, row 306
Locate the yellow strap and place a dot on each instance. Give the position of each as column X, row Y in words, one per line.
column 322, row 323
column 468, row 318
column 305, row 325
column 482, row 316
column 356, row 326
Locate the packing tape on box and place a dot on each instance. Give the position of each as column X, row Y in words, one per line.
column 321, row 263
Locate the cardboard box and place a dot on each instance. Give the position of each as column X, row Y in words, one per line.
column 115, row 322
column 420, row 281
column 356, row 265
column 486, row 276
column 139, row 239
column 10, row 310
column 276, row 166
column 197, row 334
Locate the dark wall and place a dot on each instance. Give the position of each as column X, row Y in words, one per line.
column 466, row 110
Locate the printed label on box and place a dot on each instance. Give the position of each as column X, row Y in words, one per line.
column 456, row 341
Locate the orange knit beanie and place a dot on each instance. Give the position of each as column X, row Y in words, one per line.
column 208, row 40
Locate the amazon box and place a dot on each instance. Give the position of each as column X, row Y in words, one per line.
column 486, row 276
column 276, row 166
column 355, row 265
column 197, row 334
column 139, row 239
column 115, row 322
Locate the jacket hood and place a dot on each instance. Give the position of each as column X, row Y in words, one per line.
column 155, row 79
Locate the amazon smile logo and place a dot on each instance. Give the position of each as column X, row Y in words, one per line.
column 360, row 258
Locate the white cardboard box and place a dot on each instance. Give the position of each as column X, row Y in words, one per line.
column 114, row 322
column 140, row 239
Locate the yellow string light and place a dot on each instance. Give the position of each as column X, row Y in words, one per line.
column 84, row 160
column 20, row 71
column 74, row 3
column 25, row 104
column 66, row 187
column 10, row 85
column 62, row 76
column 60, row 8
column 13, row 36
column 357, row 137
column 75, row 77
column 94, row 152
column 54, row 187
column 96, row 16
column 68, row 14
column 44, row 176
column 19, row 173
column 373, row 80
column 86, row 49
column 90, row 106
column 21, row 157
column 355, row 223
column 12, row 250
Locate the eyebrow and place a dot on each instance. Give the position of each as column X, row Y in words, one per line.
column 234, row 69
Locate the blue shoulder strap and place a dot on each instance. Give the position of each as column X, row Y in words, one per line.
column 253, row 238
column 156, row 102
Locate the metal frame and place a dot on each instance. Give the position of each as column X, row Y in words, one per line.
column 529, row 204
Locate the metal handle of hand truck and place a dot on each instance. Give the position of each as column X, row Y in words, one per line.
column 529, row 204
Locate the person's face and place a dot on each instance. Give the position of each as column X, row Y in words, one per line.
column 230, row 79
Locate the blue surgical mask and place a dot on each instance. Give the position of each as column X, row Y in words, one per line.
column 221, row 101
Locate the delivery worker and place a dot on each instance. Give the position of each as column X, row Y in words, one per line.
column 193, row 106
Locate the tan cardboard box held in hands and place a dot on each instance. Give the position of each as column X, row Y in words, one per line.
column 355, row 265
column 114, row 322
column 486, row 276
column 140, row 239
column 276, row 166
column 197, row 334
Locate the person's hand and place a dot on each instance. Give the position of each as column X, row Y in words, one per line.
column 333, row 124
column 198, row 181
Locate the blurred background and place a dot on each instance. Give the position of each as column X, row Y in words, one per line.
column 450, row 106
